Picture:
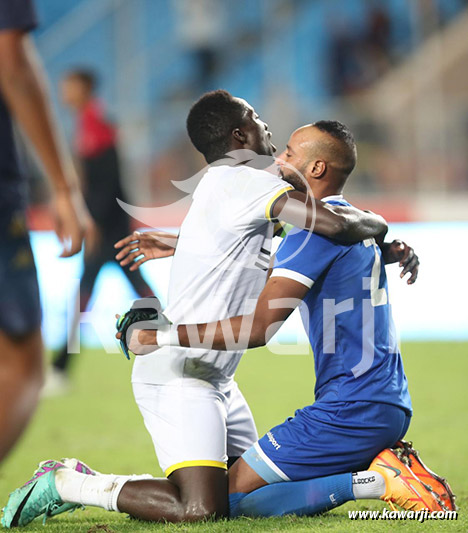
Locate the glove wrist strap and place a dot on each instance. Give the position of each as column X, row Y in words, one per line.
column 168, row 335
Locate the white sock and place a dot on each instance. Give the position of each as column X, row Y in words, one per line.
column 99, row 491
column 368, row 485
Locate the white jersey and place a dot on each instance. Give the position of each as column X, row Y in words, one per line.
column 218, row 271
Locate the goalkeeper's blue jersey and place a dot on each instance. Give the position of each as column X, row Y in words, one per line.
column 347, row 316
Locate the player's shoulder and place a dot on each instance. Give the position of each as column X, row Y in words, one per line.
column 303, row 244
column 257, row 178
column 316, row 239
column 309, row 240
column 215, row 171
column 245, row 181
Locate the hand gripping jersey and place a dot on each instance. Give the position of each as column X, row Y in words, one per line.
column 218, row 270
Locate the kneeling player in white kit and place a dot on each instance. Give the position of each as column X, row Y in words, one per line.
column 193, row 409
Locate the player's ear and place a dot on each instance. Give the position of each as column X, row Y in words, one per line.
column 239, row 136
column 318, row 169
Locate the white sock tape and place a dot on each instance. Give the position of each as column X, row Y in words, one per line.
column 168, row 336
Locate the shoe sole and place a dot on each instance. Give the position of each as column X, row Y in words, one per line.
column 436, row 483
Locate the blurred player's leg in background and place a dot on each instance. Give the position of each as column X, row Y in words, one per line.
column 57, row 381
column 20, row 335
column 20, row 384
column 23, row 97
column 58, row 378
column 97, row 151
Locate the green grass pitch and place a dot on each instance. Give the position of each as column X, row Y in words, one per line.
column 99, row 423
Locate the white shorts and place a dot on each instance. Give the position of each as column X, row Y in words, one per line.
column 195, row 426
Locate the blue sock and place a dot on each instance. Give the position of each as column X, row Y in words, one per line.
column 307, row 497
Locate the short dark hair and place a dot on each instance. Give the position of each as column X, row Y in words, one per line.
column 86, row 76
column 336, row 129
column 211, row 121
column 345, row 153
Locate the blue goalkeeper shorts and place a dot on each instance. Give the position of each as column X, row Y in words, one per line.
column 327, row 438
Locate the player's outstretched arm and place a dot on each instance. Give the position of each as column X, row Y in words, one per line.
column 276, row 302
column 346, row 224
column 24, row 90
column 140, row 247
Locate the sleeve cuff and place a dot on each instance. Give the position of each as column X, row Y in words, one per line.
column 292, row 274
column 272, row 201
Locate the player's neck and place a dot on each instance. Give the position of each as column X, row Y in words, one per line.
column 326, row 191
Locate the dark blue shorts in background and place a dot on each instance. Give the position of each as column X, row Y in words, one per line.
column 327, row 438
column 20, row 308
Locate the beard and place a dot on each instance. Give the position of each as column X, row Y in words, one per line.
column 295, row 179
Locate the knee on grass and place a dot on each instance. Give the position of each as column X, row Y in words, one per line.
column 201, row 511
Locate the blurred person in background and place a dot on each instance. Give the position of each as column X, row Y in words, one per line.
column 24, row 98
column 96, row 149
column 201, row 36
column 359, row 56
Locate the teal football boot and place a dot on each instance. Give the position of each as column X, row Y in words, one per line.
column 35, row 498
